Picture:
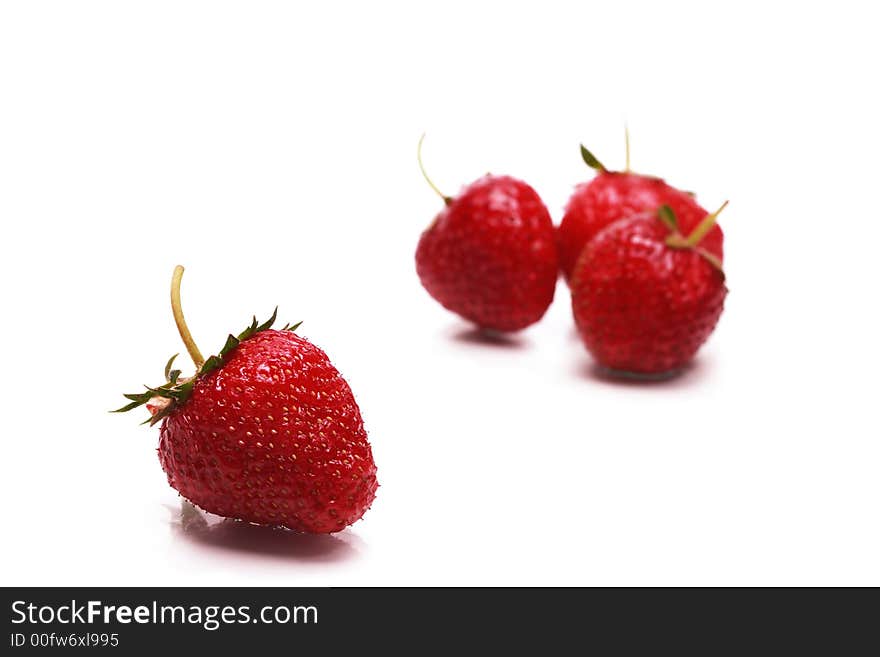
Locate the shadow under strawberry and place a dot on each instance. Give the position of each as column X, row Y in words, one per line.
column 690, row 374
column 197, row 526
column 488, row 338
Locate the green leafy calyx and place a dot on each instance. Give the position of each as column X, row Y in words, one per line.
column 676, row 240
column 667, row 216
column 176, row 390
column 591, row 160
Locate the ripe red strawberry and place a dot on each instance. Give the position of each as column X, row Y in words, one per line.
column 644, row 296
column 267, row 431
column 490, row 255
column 614, row 195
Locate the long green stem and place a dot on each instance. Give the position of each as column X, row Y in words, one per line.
column 446, row 199
column 182, row 328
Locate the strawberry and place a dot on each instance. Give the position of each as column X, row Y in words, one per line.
column 266, row 431
column 614, row 195
column 645, row 297
column 490, row 255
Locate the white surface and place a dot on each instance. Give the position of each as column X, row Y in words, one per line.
column 271, row 149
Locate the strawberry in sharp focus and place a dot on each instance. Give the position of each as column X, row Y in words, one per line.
column 490, row 255
column 614, row 195
column 645, row 297
column 267, row 431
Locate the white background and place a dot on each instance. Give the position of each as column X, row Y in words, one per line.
column 270, row 148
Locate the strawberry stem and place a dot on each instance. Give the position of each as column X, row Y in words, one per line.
column 182, row 328
column 446, row 199
column 697, row 234
column 626, row 138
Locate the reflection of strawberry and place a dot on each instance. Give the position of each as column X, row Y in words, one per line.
column 490, row 255
column 614, row 195
column 267, row 431
column 645, row 297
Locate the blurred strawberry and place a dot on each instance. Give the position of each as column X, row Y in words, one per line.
column 614, row 195
column 490, row 255
column 645, row 296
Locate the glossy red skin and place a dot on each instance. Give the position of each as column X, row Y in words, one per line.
column 490, row 255
column 613, row 195
column 273, row 437
column 641, row 306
